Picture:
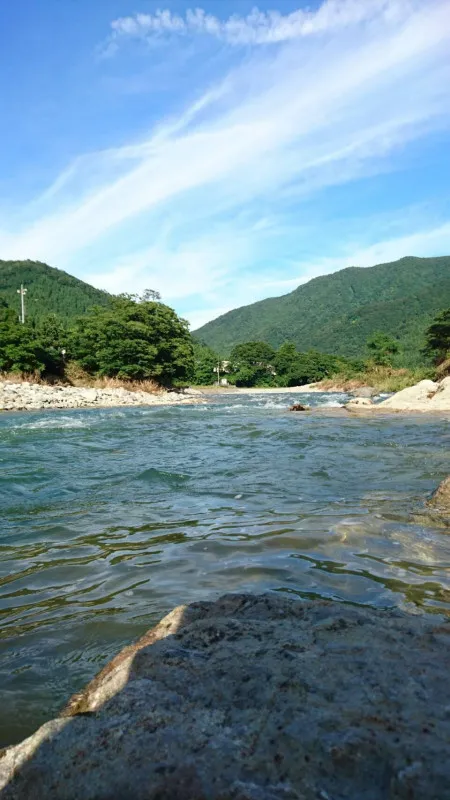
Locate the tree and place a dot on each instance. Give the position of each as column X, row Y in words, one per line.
column 285, row 359
column 150, row 294
column 205, row 364
column 252, row 364
column 382, row 347
column 296, row 369
column 53, row 338
column 19, row 349
column 438, row 337
column 252, row 354
column 134, row 340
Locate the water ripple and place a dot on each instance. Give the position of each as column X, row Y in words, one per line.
column 110, row 518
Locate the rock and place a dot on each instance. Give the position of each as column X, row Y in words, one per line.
column 424, row 396
column 440, row 499
column 441, row 399
column 299, row 407
column 414, row 398
column 255, row 698
column 25, row 396
column 359, row 403
column 364, row 391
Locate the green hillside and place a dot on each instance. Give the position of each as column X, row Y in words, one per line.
column 337, row 313
column 49, row 290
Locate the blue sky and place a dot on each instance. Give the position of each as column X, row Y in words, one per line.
column 225, row 154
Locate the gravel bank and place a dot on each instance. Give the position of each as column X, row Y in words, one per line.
column 33, row 396
column 426, row 396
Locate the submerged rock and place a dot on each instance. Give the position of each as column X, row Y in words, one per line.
column 358, row 403
column 255, row 698
column 439, row 501
column 299, row 407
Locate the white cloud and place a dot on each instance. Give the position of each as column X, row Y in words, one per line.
column 423, row 243
column 184, row 209
column 203, row 268
column 259, row 27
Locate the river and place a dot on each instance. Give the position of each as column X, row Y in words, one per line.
column 112, row 517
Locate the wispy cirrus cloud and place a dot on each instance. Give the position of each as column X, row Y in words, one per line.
column 257, row 27
column 181, row 208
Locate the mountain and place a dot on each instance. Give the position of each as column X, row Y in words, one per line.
column 49, row 290
column 337, row 313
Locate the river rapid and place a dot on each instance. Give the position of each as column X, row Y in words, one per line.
column 111, row 517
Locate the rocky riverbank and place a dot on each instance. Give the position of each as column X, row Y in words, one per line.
column 254, row 698
column 425, row 396
column 35, row 396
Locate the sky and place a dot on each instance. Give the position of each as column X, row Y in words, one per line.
column 222, row 153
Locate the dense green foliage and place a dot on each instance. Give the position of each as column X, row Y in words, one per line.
column 130, row 338
column 30, row 348
column 438, row 337
column 295, row 369
column 338, row 313
column 206, row 362
column 134, row 340
column 258, row 364
column 382, row 348
column 387, row 313
column 251, row 364
column 49, row 290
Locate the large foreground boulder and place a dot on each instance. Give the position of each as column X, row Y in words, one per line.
column 255, row 698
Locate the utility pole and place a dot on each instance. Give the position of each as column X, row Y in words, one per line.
column 22, row 293
column 218, row 373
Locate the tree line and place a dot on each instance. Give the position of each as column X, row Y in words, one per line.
column 259, row 364
column 138, row 337
column 131, row 338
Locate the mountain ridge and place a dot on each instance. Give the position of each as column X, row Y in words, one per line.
column 49, row 290
column 336, row 313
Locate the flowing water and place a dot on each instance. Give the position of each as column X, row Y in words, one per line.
column 110, row 518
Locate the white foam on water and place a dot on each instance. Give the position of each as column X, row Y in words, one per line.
column 53, row 423
column 273, row 404
column 330, row 404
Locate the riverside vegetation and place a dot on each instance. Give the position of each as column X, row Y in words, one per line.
column 77, row 334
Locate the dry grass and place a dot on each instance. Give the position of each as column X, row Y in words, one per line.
column 148, row 385
column 385, row 379
column 75, row 376
column 21, row 377
column 443, row 369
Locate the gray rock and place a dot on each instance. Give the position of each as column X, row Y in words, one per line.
column 255, row 698
column 25, row 396
column 441, row 497
column 364, row 391
column 360, row 404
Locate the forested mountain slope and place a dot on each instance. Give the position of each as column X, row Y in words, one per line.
column 337, row 313
column 49, row 290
